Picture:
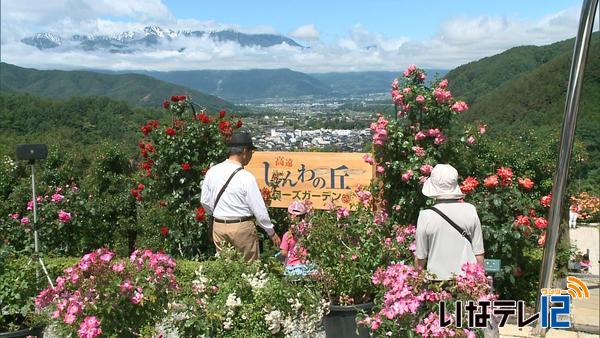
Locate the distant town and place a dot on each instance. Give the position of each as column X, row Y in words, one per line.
column 326, row 125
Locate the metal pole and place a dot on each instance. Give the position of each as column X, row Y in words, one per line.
column 35, row 233
column 567, row 136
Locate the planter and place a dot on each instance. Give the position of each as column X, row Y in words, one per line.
column 341, row 321
column 37, row 331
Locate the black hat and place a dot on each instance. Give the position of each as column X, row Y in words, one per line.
column 241, row 140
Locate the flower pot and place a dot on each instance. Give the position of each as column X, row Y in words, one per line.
column 341, row 321
column 37, row 331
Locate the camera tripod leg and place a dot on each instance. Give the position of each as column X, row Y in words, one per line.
column 45, row 271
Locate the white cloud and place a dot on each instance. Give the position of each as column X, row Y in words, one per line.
column 458, row 40
column 306, row 33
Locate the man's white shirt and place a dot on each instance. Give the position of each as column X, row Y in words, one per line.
column 241, row 198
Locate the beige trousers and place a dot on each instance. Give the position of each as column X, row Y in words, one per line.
column 241, row 236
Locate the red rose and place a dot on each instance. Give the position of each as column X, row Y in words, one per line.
column 182, row 97
column 238, row 125
column 146, row 130
column 491, row 181
column 469, row 184
column 224, row 125
column 154, row 123
column 506, row 175
column 141, row 145
column 144, row 153
column 522, row 220
column 200, row 213
column 545, row 200
column 526, row 183
column 134, row 192
column 170, row 131
column 540, row 223
column 186, row 166
column 202, row 117
column 140, row 187
column 166, row 104
column 222, row 114
column 164, row 231
column 149, row 147
column 174, row 98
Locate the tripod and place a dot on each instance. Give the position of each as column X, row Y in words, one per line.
column 36, row 254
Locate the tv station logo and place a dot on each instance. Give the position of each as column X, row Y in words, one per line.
column 555, row 307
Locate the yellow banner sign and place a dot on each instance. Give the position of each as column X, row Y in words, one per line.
column 323, row 178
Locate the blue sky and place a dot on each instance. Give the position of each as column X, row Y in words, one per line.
column 348, row 35
column 334, row 18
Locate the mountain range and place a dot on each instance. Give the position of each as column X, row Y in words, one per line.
column 243, row 85
column 130, row 42
column 136, row 89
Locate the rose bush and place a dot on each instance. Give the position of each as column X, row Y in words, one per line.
column 424, row 132
column 408, row 301
column 347, row 246
column 230, row 298
column 103, row 295
column 173, row 161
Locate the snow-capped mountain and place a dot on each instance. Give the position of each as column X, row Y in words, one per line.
column 129, row 42
column 43, row 40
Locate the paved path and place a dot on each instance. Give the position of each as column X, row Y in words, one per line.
column 585, row 314
column 587, row 237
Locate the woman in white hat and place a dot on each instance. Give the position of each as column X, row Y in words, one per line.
column 449, row 232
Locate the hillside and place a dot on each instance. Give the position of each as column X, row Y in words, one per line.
column 474, row 79
column 246, row 84
column 82, row 122
column 136, row 89
column 513, row 97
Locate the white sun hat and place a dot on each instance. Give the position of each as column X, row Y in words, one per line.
column 443, row 183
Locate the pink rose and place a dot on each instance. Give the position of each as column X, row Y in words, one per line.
column 119, row 267
column 368, row 159
column 70, row 318
column 57, row 197
column 380, row 169
column 138, row 296
column 433, row 132
column 443, row 83
column 420, row 136
column 420, row 99
column 106, row 257
column 440, row 139
column 30, row 205
column 14, row 216
column 395, row 84
column 471, row 140
column 460, row 106
column 64, row 216
column 419, row 151
column 426, row 169
column 343, row 212
column 25, row 220
column 407, row 175
column 482, row 129
column 406, row 90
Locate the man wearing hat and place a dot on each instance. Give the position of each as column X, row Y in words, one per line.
column 449, row 232
column 232, row 196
